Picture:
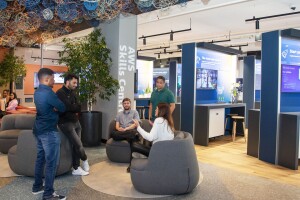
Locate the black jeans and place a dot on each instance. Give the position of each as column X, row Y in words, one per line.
column 73, row 133
column 140, row 148
column 130, row 135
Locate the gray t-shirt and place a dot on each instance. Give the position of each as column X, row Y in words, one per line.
column 125, row 117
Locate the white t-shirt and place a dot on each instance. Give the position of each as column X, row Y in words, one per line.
column 159, row 132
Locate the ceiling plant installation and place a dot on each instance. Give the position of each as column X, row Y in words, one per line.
column 26, row 22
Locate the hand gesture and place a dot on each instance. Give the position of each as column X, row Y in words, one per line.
column 150, row 122
column 136, row 123
column 121, row 129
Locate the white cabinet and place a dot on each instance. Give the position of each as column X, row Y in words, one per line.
column 216, row 122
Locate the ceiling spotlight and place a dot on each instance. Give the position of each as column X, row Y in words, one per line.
column 144, row 41
column 160, row 62
column 158, row 56
column 171, row 36
column 165, row 50
column 240, row 48
column 34, row 60
column 257, row 24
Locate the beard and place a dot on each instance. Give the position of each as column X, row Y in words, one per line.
column 128, row 108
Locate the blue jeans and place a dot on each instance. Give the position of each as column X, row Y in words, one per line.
column 48, row 153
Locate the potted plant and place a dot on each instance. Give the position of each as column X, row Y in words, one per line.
column 89, row 58
column 11, row 68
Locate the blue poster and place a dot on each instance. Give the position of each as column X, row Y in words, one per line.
column 217, row 70
column 290, row 51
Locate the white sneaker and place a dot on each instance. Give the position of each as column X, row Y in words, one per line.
column 79, row 172
column 85, row 165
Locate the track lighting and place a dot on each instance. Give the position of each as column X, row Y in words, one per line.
column 171, row 36
column 257, row 24
column 171, row 33
column 158, row 56
column 256, row 19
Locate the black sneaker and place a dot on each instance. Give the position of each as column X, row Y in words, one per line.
column 38, row 191
column 56, row 197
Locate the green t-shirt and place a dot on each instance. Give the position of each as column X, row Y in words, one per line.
column 162, row 96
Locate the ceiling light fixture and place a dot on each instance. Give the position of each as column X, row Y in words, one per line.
column 257, row 24
column 153, row 48
column 171, row 33
column 171, row 36
column 158, row 56
column 267, row 17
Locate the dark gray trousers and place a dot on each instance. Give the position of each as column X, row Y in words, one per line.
column 73, row 133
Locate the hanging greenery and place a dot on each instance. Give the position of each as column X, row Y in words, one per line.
column 89, row 58
column 11, row 68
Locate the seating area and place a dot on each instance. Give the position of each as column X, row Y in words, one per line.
column 22, row 156
column 171, row 168
column 22, row 110
column 119, row 151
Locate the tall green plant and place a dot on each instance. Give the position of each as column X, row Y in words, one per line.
column 11, row 68
column 89, row 58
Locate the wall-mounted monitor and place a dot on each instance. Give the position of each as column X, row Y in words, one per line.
column 58, row 79
column 206, row 78
column 290, row 78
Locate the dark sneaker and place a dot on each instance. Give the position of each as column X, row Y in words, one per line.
column 56, row 197
column 38, row 191
column 128, row 169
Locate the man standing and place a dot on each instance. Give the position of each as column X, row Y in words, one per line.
column 47, row 137
column 160, row 95
column 70, row 126
column 125, row 127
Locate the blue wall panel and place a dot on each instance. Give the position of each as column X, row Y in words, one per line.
column 269, row 96
column 257, row 95
column 173, row 76
column 188, row 87
column 206, row 96
column 248, row 84
column 290, row 102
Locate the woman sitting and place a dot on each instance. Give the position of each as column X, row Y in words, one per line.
column 12, row 103
column 163, row 129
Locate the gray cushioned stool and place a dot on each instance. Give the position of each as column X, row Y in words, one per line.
column 171, row 168
column 22, row 157
column 11, row 127
column 117, row 151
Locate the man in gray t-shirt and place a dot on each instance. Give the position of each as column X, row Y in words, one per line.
column 125, row 128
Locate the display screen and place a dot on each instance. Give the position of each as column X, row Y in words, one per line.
column 290, row 78
column 57, row 79
column 206, row 78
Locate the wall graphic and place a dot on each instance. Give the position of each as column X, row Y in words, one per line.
column 225, row 65
column 145, row 79
column 290, row 75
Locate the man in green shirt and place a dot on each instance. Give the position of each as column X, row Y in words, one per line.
column 160, row 95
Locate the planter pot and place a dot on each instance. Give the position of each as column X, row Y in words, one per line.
column 91, row 124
